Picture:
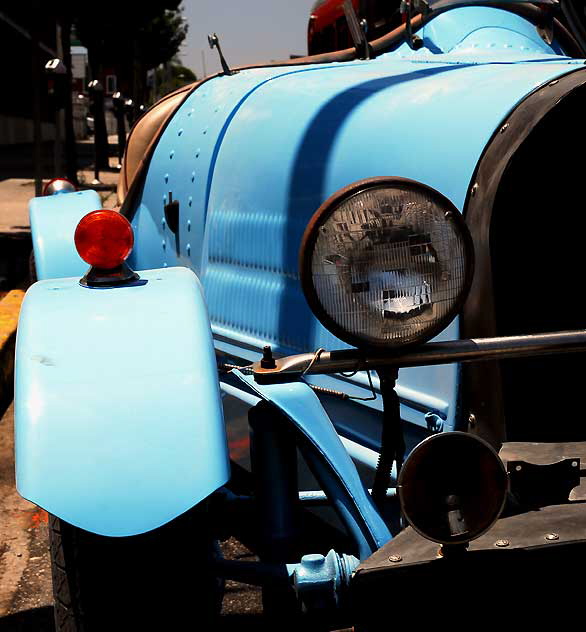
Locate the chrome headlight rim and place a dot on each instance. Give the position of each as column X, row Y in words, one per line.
column 309, row 240
column 412, row 469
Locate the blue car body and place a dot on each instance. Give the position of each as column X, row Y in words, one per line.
column 249, row 157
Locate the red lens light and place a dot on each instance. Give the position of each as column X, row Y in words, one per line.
column 104, row 239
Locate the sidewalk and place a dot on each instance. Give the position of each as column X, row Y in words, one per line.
column 16, row 192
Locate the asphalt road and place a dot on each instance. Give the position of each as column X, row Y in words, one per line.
column 26, row 602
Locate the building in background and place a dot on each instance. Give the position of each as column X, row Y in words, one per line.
column 16, row 42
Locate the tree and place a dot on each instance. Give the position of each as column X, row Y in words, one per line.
column 159, row 41
column 172, row 76
column 131, row 37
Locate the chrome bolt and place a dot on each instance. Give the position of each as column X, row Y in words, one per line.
column 574, row 463
column 502, row 543
column 504, row 128
column 474, row 189
column 472, row 420
column 395, row 558
column 552, row 83
column 552, row 536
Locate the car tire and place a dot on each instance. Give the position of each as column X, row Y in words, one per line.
column 162, row 579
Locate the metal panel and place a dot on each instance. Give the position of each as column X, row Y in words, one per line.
column 183, row 163
column 262, row 199
column 474, row 29
column 521, row 531
column 526, row 558
column 118, row 415
column 277, row 144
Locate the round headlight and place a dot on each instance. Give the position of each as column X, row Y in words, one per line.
column 452, row 487
column 386, row 263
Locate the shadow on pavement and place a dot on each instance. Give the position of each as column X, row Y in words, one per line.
column 41, row 620
column 243, row 623
column 36, row 620
column 16, row 161
column 15, row 250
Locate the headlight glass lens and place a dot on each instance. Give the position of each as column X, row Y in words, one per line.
column 389, row 264
column 452, row 487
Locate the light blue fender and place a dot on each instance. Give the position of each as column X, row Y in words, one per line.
column 330, row 462
column 53, row 220
column 118, row 418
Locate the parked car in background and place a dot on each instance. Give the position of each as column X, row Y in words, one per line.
column 328, row 30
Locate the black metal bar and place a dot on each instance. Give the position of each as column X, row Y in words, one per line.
column 273, row 455
column 307, row 498
column 36, row 90
column 392, row 441
column 318, row 498
column 70, row 146
column 96, row 93
column 118, row 107
column 255, row 573
column 472, row 350
column 357, row 31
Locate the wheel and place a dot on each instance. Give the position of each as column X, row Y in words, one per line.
column 158, row 580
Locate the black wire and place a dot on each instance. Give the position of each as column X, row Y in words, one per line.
column 392, row 449
column 365, row 399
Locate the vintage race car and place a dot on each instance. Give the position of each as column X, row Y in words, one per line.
column 290, row 238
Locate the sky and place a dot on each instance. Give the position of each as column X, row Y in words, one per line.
column 250, row 31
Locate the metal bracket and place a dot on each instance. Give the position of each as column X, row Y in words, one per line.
column 408, row 8
column 546, row 27
column 172, row 214
column 357, row 30
column 214, row 42
column 435, row 423
column 536, row 485
column 320, row 581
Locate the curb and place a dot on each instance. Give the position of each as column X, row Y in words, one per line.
column 9, row 311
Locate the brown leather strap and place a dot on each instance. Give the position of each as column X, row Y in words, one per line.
column 142, row 133
column 142, row 141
